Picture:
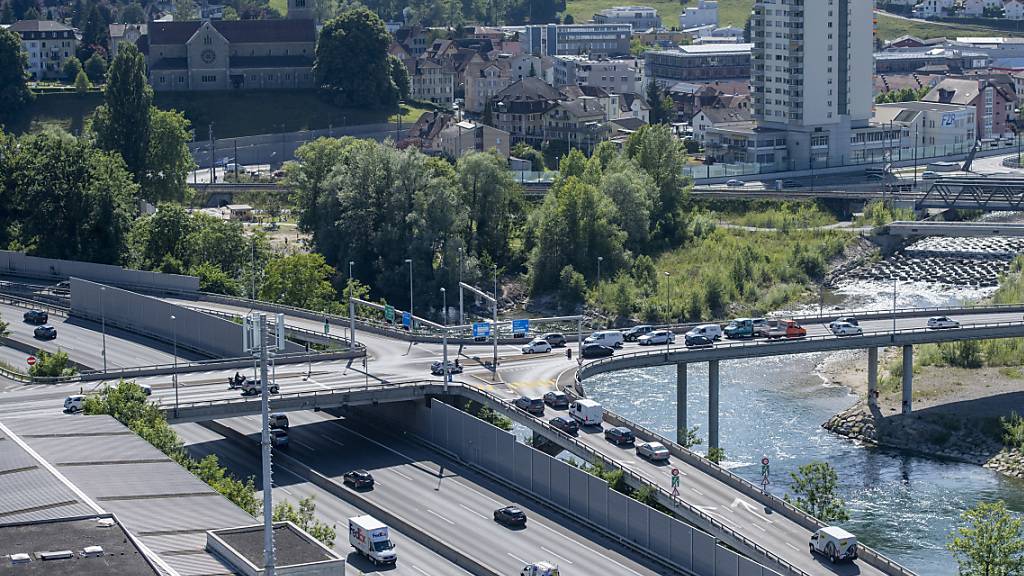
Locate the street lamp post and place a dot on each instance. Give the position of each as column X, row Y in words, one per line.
column 444, row 336
column 462, row 316
column 668, row 293
column 174, row 328
column 599, row 260
column 351, row 308
column 495, row 335
column 412, row 320
column 894, row 282
column 103, row 323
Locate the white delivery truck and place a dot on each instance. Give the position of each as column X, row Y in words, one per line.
column 370, row 538
column 586, row 412
column 834, row 543
column 539, row 569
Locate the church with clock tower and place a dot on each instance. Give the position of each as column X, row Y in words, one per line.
column 233, row 54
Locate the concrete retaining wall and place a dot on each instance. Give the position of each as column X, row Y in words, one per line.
column 20, row 264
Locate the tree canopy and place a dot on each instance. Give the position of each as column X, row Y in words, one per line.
column 989, row 541
column 122, row 123
column 352, row 63
column 814, row 486
column 14, row 93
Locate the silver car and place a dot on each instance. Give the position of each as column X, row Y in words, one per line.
column 657, row 337
column 653, row 451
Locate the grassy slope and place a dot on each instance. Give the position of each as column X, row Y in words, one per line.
column 735, row 12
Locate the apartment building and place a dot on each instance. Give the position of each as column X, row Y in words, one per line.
column 593, row 39
column 993, row 98
column 703, row 14
column 48, row 44
column 639, row 17
column 612, row 76
column 812, row 75
column 701, row 63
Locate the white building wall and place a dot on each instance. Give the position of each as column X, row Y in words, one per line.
column 703, row 14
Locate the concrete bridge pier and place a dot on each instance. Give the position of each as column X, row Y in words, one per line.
column 908, row 378
column 713, row 404
column 681, row 403
column 872, row 377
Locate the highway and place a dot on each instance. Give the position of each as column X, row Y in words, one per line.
column 453, row 503
column 243, row 460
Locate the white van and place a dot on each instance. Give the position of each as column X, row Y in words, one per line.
column 586, row 412
column 74, row 403
column 610, row 338
column 834, row 543
column 710, row 331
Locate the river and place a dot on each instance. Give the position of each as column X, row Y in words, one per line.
column 901, row 504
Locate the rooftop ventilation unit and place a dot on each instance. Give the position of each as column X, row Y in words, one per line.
column 20, row 558
column 105, row 522
column 92, row 551
column 55, row 555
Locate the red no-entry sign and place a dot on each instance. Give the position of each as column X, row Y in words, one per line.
column 31, row 360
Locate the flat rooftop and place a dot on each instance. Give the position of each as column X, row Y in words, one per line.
column 925, row 106
column 119, row 556
column 291, row 548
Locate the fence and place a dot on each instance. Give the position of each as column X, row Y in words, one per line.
column 20, row 264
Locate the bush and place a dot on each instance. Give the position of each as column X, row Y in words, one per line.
column 572, row 287
column 1013, row 431
column 50, row 365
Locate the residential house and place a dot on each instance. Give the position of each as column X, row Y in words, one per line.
column 425, row 133
column 632, row 105
column 1013, row 9
column 414, row 39
column 130, row 33
column 977, row 8
column 933, row 8
column 593, row 39
column 639, row 17
column 433, row 81
column 703, row 14
column 484, row 79
column 520, row 108
column 577, row 123
column 611, row 75
column 48, row 44
column 993, row 98
column 467, row 136
column 709, row 118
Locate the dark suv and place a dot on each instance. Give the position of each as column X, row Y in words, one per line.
column 45, row 332
column 633, row 334
column 567, row 425
column 557, row 400
column 36, row 317
column 556, row 339
column 510, row 516
column 619, row 435
column 533, row 405
column 358, row 479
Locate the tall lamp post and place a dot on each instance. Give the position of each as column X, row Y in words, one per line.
column 668, row 293
column 351, row 308
column 462, row 316
column 174, row 328
column 444, row 307
column 599, row 260
column 412, row 321
column 103, row 323
column 494, row 267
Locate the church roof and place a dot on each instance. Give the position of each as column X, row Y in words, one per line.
column 236, row 31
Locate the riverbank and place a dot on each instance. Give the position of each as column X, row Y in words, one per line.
column 956, row 413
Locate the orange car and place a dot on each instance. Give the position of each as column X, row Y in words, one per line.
column 787, row 329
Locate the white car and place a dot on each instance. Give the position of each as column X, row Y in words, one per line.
column 657, row 337
column 74, row 403
column 537, row 345
column 930, row 175
column 845, row 329
column 734, row 183
column 653, row 451
column 940, row 322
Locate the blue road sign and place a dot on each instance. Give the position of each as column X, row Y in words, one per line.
column 521, row 326
column 406, row 319
column 481, row 329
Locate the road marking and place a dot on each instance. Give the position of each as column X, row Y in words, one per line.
column 758, row 526
column 306, row 446
column 563, row 558
column 697, row 491
column 750, row 508
column 332, row 440
column 286, row 491
column 517, row 558
column 402, row 475
column 429, row 511
column 587, row 548
column 417, row 568
column 471, row 511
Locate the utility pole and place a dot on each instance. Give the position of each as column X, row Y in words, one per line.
column 412, row 319
column 462, row 316
column 351, row 309
column 268, row 498
column 103, row 320
column 444, row 307
column 235, row 141
column 495, row 335
column 213, row 153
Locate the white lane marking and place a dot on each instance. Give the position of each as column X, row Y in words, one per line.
column 332, row 440
column 587, row 548
column 429, row 511
column 286, row 491
column 517, row 558
column 407, row 477
column 562, row 558
column 306, row 446
column 758, row 526
column 793, row 547
column 750, row 508
column 471, row 511
column 417, row 568
column 697, row 491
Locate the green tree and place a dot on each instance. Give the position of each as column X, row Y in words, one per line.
column 814, row 487
column 133, row 14
column 305, row 518
column 352, row 60
column 122, row 123
column 645, row 274
column 632, row 190
column 716, row 455
column 4, row 329
column 524, row 151
column 399, row 76
column 230, row 13
column 495, row 203
column 168, row 159
column 989, row 541
column 213, row 279
column 657, row 151
column 7, row 13
column 661, row 105
column 689, row 438
column 301, row 280
column 14, row 93
column 96, row 68
column 185, row 10
column 95, row 34
column 571, row 287
column 71, row 69
column 82, row 83
column 50, row 365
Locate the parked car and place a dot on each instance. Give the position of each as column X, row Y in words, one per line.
column 36, row 317
column 557, row 400
column 633, row 334
column 74, row 403
column 358, row 479
column 653, row 451
column 597, row 351
column 842, row 319
column 538, row 345
column 845, row 329
column 834, row 543
column 657, row 337
column 510, row 516
column 619, row 435
column 611, row 338
column 940, row 322
column 787, row 329
column 556, row 339
column 45, row 332
column 698, row 341
column 279, row 438
column 531, row 403
column 437, row 368
column 734, row 183
column 567, row 425
column 712, row 331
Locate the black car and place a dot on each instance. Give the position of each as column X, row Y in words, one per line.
column 45, row 332
column 36, row 317
column 556, row 339
column 791, row 184
column 633, row 334
column 567, row 425
column 510, row 516
column 698, row 341
column 557, row 400
column 533, row 405
column 619, row 435
column 358, row 479
column 597, row 351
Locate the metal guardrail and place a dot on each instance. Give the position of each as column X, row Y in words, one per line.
column 330, row 392
column 293, row 329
